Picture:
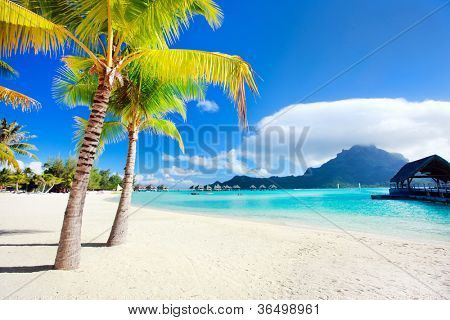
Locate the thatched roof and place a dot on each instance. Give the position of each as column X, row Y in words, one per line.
column 429, row 167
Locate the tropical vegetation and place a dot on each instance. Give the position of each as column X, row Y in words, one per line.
column 11, row 97
column 110, row 36
column 140, row 105
column 57, row 176
column 13, row 143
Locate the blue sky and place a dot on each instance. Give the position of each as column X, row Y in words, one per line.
column 294, row 46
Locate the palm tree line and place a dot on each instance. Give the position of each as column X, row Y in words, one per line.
column 121, row 44
column 57, row 176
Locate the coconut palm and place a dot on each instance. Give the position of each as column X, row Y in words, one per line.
column 47, row 179
column 13, row 142
column 11, row 97
column 18, row 178
column 140, row 106
column 115, row 35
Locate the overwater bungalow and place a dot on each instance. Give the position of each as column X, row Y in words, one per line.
column 151, row 187
column 200, row 188
column 252, row 187
column 227, row 188
column 217, row 187
column 163, row 188
column 262, row 187
column 425, row 179
column 208, row 188
column 273, row 187
column 236, row 187
column 139, row 188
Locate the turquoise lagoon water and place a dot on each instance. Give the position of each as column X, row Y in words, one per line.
column 348, row 209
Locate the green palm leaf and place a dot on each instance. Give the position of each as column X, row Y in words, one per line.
column 113, row 132
column 13, row 142
column 16, row 99
column 163, row 127
column 230, row 72
column 7, row 71
column 22, row 29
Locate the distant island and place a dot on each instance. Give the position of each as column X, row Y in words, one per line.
column 365, row 165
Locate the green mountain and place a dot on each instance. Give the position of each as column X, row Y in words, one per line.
column 366, row 165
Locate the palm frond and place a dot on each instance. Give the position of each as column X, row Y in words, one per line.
column 23, row 29
column 13, row 141
column 230, row 72
column 73, row 88
column 7, row 71
column 25, row 153
column 17, row 99
column 113, row 132
column 7, row 156
column 164, row 20
column 163, row 127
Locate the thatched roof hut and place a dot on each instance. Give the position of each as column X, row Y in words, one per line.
column 432, row 167
column 252, row 187
column 262, row 187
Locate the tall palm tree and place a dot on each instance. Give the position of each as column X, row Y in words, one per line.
column 140, row 106
column 13, row 142
column 114, row 34
column 12, row 97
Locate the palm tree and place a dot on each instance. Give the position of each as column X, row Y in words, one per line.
column 4, row 178
column 17, row 178
column 140, row 106
column 12, row 97
column 47, row 179
column 13, row 142
column 114, row 35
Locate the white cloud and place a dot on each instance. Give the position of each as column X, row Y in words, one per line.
column 168, row 157
column 177, row 171
column 183, row 157
column 147, row 179
column 414, row 129
column 36, row 167
column 208, row 106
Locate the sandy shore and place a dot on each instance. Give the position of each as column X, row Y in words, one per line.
column 182, row 256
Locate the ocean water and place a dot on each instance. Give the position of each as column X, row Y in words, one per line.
column 347, row 209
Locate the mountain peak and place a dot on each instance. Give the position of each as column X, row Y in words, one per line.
column 364, row 164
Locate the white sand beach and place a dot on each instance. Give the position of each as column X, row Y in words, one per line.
column 183, row 256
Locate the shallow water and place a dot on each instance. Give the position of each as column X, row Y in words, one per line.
column 348, row 209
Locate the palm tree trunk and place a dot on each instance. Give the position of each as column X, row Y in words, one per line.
column 119, row 229
column 68, row 255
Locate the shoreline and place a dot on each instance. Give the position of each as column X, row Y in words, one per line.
column 295, row 223
column 172, row 255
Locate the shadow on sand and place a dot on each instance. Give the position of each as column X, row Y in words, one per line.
column 20, row 231
column 84, row 245
column 31, row 269
column 26, row 269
